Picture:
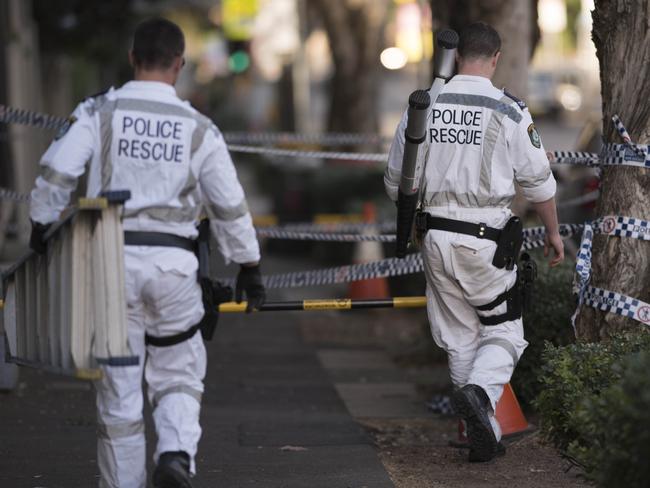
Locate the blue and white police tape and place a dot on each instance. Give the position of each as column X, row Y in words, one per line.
column 7, row 194
column 620, row 226
column 609, row 301
column 384, row 268
column 600, row 298
column 639, row 150
column 532, row 235
column 327, row 139
column 628, row 154
column 575, row 157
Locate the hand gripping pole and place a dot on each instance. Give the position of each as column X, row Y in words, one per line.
column 418, row 115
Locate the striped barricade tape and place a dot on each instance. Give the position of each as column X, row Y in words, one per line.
column 273, row 151
column 531, row 235
column 7, row 194
column 612, row 302
column 385, row 268
column 10, row 115
column 638, row 150
column 328, row 139
column 600, row 298
column 323, row 236
column 614, row 154
column 620, row 226
column 344, row 274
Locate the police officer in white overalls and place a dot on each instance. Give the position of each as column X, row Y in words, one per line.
column 480, row 140
column 174, row 161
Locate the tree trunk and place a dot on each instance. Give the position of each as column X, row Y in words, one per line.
column 516, row 23
column 355, row 33
column 621, row 33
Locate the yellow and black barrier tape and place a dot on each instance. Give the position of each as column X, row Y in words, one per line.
column 330, row 304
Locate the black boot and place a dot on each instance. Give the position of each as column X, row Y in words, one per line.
column 472, row 404
column 172, row 471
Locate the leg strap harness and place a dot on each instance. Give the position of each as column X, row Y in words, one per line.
column 513, row 299
column 508, row 239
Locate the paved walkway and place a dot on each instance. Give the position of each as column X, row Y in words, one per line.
column 271, row 417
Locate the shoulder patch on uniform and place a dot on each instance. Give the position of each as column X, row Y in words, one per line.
column 96, row 95
column 63, row 130
column 520, row 103
column 535, row 140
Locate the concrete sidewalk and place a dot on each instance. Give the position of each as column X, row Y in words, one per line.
column 271, row 417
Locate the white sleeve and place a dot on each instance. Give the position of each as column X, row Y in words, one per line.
column 231, row 222
column 393, row 172
column 62, row 164
column 531, row 166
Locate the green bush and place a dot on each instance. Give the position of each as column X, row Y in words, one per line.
column 595, row 406
column 547, row 320
column 616, row 428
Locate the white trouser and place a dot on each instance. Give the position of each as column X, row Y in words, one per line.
column 163, row 298
column 460, row 277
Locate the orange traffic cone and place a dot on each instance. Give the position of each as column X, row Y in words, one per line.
column 508, row 413
column 366, row 252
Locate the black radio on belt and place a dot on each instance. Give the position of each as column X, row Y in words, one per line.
column 509, row 244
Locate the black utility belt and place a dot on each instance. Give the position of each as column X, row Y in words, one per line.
column 425, row 221
column 509, row 239
column 138, row 238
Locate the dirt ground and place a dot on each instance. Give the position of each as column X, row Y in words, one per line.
column 416, row 450
column 416, row 453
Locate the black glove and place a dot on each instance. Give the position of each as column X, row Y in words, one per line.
column 36, row 240
column 249, row 279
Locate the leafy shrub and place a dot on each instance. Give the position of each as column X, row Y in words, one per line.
column 616, row 428
column 547, row 320
column 595, row 406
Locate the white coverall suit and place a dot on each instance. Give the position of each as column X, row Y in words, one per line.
column 479, row 141
column 143, row 138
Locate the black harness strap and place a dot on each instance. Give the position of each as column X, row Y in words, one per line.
column 513, row 299
column 171, row 340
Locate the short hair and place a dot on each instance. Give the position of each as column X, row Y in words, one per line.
column 156, row 43
column 478, row 40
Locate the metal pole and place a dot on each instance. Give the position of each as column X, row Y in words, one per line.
column 329, row 304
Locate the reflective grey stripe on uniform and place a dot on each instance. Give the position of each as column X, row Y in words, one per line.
column 481, row 101
column 169, row 214
column 535, row 181
column 228, row 213
column 502, row 343
column 57, row 178
column 198, row 135
column 190, row 189
column 468, row 200
column 106, row 137
column 187, row 390
column 116, row 431
column 489, row 143
column 153, row 107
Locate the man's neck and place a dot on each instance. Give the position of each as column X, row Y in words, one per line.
column 476, row 68
column 155, row 75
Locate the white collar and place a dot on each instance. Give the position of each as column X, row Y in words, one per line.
column 150, row 86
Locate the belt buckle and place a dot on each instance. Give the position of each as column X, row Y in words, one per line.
column 482, row 227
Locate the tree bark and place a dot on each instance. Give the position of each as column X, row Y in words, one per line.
column 621, row 33
column 516, row 23
column 355, row 33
